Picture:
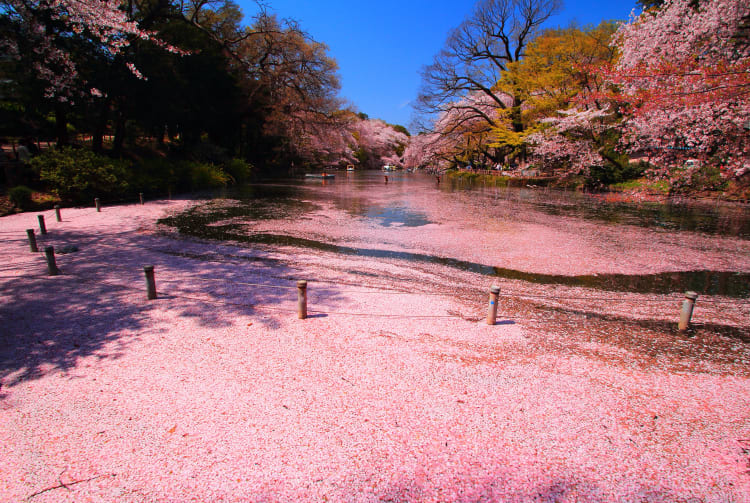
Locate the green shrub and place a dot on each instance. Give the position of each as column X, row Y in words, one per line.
column 80, row 175
column 206, row 176
column 602, row 176
column 238, row 169
column 20, row 196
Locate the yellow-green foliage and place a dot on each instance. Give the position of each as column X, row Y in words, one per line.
column 554, row 70
column 480, row 178
column 206, row 175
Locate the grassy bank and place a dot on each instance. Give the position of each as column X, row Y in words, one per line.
column 508, row 181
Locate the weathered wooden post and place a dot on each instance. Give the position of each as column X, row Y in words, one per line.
column 49, row 252
column 96, row 203
column 150, row 281
column 386, row 178
column 32, row 240
column 302, row 299
column 140, row 194
column 492, row 309
column 42, row 227
column 57, row 213
column 686, row 313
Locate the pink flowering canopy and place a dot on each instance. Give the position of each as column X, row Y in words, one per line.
column 45, row 23
column 684, row 78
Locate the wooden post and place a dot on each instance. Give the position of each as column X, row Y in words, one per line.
column 150, row 281
column 686, row 313
column 140, row 194
column 57, row 213
column 96, row 203
column 302, row 299
column 49, row 252
column 32, row 240
column 42, row 227
column 492, row 309
column 386, row 178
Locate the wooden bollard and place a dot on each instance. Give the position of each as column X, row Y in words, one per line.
column 49, row 252
column 96, row 203
column 386, row 178
column 42, row 227
column 57, row 213
column 686, row 313
column 492, row 309
column 150, row 282
column 302, row 299
column 140, row 194
column 32, row 240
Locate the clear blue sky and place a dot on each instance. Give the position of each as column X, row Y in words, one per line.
column 381, row 45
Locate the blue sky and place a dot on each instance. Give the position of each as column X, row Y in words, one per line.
column 381, row 45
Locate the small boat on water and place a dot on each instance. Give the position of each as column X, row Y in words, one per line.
column 325, row 176
column 350, row 168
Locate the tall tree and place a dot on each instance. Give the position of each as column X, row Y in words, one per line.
column 684, row 79
column 475, row 55
column 564, row 129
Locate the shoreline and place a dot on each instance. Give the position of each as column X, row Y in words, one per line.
column 217, row 391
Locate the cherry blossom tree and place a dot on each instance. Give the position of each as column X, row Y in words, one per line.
column 683, row 79
column 427, row 150
column 43, row 31
column 569, row 144
column 378, row 143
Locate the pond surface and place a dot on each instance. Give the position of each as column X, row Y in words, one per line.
column 408, row 203
column 714, row 218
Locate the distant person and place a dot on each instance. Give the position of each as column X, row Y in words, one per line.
column 28, row 142
column 23, row 154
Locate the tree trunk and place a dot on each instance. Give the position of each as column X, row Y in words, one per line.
column 61, row 125
column 515, row 116
column 119, row 133
column 97, row 142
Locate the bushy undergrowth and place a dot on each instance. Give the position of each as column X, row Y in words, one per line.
column 603, row 176
column 20, row 196
column 238, row 169
column 703, row 178
column 79, row 175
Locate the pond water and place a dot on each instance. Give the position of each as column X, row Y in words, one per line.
column 407, row 205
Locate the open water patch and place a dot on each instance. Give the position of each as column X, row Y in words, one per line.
column 397, row 217
column 714, row 218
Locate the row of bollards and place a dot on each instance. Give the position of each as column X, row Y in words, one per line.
column 686, row 312
column 58, row 214
column 148, row 271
